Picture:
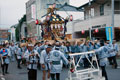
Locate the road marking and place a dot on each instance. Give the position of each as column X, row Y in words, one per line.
column 2, row 78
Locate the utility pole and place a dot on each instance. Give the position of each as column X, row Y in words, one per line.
column 37, row 26
column 0, row 17
column 90, row 34
column 112, row 9
column 90, row 29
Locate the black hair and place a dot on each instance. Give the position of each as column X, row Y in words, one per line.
column 49, row 46
column 36, row 44
column 101, row 42
column 57, row 47
column 42, row 42
column 4, row 45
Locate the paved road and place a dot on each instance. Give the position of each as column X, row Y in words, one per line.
column 21, row 74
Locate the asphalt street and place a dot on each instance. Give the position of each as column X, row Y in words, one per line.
column 21, row 74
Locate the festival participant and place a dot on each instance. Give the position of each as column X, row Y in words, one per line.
column 91, row 48
column 45, row 62
column 23, row 47
column 85, row 48
column 96, row 46
column 55, row 59
column 68, row 47
column 15, row 50
column 102, row 56
column 46, row 44
column 77, row 50
column 38, row 47
column 19, row 56
column 112, row 54
column 4, row 54
column 39, row 44
column 63, row 49
column 73, row 47
column 31, row 56
column 12, row 49
column 116, row 49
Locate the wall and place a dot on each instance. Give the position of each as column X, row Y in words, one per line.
column 101, row 20
column 13, row 34
column 23, row 33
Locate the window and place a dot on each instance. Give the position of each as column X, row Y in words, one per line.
column 117, row 7
column 92, row 12
column 101, row 9
column 89, row 13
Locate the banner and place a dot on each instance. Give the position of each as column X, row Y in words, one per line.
column 33, row 11
column 109, row 33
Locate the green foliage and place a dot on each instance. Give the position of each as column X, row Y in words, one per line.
column 17, row 31
column 88, row 38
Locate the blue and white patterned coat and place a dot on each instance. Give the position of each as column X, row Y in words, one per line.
column 55, row 59
column 19, row 53
column 32, row 60
column 7, row 54
column 111, row 50
column 102, row 53
column 45, row 59
column 116, row 48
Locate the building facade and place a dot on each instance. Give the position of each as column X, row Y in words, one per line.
column 98, row 15
column 12, row 29
column 23, row 30
column 31, row 27
column 4, row 34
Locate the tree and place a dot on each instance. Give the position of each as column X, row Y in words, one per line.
column 18, row 29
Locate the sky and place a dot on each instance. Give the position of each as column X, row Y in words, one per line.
column 12, row 10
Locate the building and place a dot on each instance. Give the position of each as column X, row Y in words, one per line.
column 31, row 27
column 97, row 15
column 12, row 29
column 42, row 6
column 23, row 30
column 4, row 34
column 35, row 9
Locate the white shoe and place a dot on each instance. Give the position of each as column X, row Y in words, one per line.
column 2, row 78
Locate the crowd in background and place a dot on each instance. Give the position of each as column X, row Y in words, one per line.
column 49, row 57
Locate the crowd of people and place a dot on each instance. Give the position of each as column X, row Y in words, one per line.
column 49, row 57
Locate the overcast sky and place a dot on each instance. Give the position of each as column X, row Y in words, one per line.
column 12, row 10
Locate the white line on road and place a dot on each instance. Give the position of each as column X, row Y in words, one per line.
column 2, row 78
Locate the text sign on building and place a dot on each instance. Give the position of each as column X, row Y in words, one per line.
column 109, row 35
column 33, row 11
